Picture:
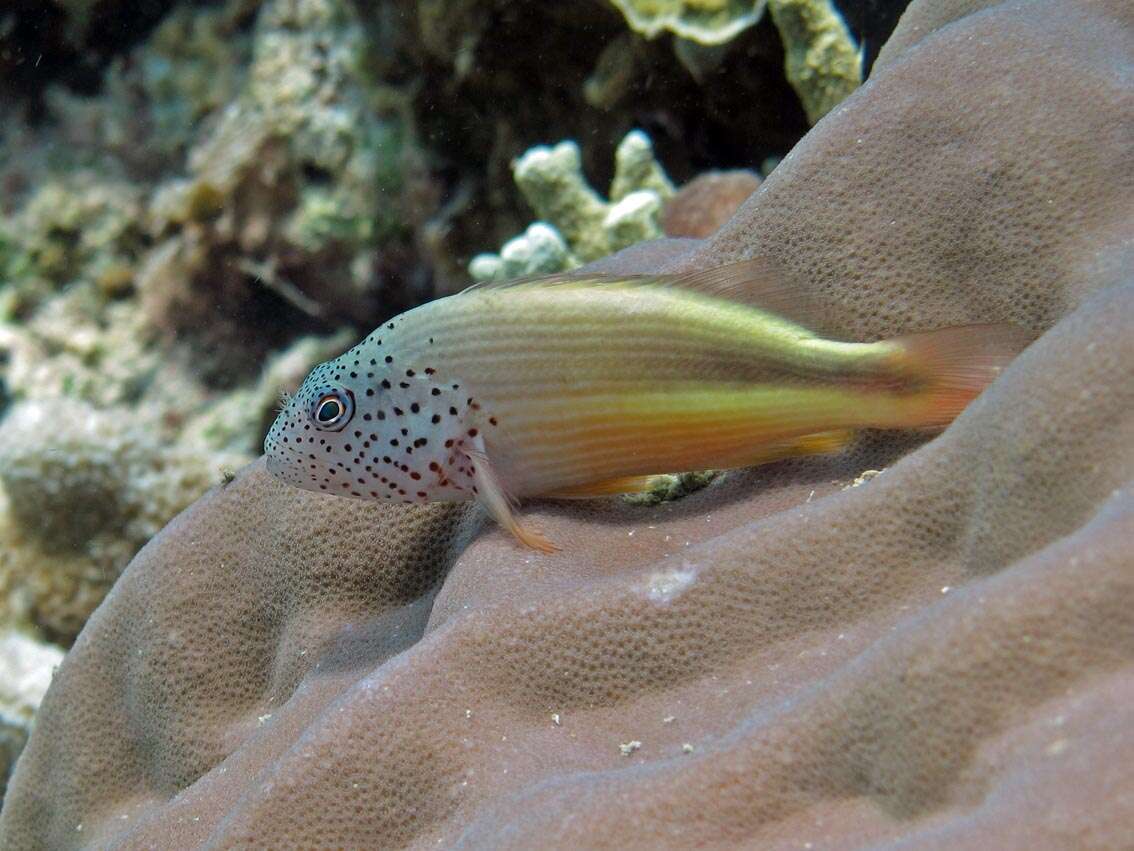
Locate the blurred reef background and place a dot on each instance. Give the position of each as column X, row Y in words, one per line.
column 201, row 200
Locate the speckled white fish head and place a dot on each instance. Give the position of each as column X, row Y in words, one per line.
column 368, row 426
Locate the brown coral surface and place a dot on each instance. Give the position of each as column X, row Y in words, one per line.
column 940, row 656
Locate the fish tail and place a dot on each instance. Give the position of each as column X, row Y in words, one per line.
column 952, row 366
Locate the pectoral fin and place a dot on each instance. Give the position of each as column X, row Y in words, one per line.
column 492, row 494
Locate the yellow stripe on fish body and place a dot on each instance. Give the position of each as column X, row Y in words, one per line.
column 549, row 386
column 593, row 383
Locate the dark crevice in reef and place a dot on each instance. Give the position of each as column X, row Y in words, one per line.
column 42, row 43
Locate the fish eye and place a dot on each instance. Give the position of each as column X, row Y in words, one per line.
column 332, row 410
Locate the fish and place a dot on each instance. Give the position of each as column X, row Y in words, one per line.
column 583, row 385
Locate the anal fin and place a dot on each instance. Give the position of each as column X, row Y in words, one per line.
column 606, row 487
column 818, row 443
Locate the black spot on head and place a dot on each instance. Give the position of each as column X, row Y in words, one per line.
column 389, row 358
column 386, row 384
column 436, row 391
column 436, row 419
column 416, row 408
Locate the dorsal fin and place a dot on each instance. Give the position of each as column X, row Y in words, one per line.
column 758, row 283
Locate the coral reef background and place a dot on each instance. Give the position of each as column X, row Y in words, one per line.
column 939, row 655
column 201, row 200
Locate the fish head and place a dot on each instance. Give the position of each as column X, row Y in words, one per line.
column 312, row 431
column 368, row 427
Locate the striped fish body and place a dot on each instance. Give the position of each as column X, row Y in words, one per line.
column 577, row 386
column 583, row 385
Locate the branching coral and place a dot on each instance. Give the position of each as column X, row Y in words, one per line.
column 703, row 21
column 577, row 225
column 821, row 60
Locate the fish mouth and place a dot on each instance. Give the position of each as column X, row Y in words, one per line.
column 281, row 461
column 275, row 464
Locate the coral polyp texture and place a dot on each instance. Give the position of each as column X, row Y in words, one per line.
column 940, row 656
column 200, row 201
column 26, row 668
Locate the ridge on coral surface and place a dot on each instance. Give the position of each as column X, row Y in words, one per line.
column 808, row 654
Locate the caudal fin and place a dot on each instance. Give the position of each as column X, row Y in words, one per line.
column 955, row 365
